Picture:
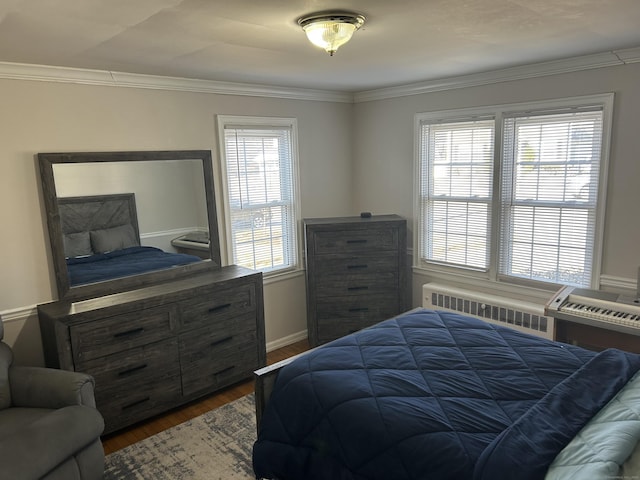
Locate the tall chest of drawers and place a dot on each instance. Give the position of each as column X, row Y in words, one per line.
column 356, row 273
column 154, row 348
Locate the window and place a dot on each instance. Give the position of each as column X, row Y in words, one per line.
column 549, row 184
column 523, row 204
column 456, row 191
column 260, row 183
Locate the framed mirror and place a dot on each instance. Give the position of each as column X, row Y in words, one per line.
column 123, row 220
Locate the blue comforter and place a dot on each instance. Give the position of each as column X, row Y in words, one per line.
column 122, row 263
column 433, row 395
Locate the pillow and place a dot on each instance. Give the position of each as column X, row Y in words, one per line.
column 115, row 238
column 77, row 244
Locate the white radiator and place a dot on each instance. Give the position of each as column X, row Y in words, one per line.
column 524, row 316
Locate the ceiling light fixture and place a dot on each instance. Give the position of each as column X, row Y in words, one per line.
column 330, row 30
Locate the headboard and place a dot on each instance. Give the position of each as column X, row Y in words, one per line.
column 87, row 221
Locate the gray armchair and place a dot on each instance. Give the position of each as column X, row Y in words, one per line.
column 49, row 426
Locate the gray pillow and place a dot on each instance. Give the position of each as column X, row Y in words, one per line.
column 77, row 244
column 115, row 238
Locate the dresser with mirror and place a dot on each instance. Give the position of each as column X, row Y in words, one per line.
column 155, row 325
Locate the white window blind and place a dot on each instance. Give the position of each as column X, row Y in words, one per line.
column 456, row 172
column 260, row 186
column 550, row 171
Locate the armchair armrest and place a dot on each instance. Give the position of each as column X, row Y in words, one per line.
column 39, row 446
column 39, row 387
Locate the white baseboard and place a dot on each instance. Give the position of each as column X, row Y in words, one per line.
column 288, row 340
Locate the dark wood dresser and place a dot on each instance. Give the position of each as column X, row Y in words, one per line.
column 356, row 272
column 154, row 348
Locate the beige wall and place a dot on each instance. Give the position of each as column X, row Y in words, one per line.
column 352, row 158
column 51, row 117
column 168, row 195
column 384, row 151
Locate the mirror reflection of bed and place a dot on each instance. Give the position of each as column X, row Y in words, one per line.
column 102, row 241
column 108, row 211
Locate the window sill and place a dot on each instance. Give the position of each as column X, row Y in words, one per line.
column 472, row 280
column 274, row 277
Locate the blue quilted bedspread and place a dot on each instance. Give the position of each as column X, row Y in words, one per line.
column 122, row 263
column 433, row 395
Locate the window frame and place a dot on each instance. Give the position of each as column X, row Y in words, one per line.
column 248, row 122
column 469, row 199
column 499, row 112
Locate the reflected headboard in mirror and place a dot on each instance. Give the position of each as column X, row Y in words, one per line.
column 114, row 218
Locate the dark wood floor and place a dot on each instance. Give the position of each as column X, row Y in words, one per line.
column 123, row 438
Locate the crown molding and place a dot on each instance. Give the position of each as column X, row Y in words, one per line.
column 555, row 67
column 629, row 55
column 48, row 73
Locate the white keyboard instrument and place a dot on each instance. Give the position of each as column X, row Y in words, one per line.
column 595, row 308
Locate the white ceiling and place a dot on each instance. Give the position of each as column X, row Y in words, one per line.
column 259, row 41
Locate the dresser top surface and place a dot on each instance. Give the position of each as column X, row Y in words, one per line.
column 353, row 219
column 187, row 284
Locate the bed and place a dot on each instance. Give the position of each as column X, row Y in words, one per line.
column 439, row 395
column 101, row 240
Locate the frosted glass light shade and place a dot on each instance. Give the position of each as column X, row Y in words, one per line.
column 330, row 31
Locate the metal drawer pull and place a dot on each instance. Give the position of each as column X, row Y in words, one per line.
column 132, row 370
column 224, row 370
column 137, row 402
column 362, row 240
column 351, row 289
column 133, row 331
column 219, row 307
column 359, row 309
column 221, row 341
column 357, row 267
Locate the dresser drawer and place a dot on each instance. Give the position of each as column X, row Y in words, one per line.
column 136, row 384
column 339, row 316
column 371, row 308
column 115, row 334
column 330, row 330
column 355, row 240
column 211, row 362
column 215, row 305
column 357, row 284
column 328, row 265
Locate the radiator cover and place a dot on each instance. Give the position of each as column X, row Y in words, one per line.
column 520, row 315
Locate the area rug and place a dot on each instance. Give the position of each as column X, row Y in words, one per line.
column 213, row 446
